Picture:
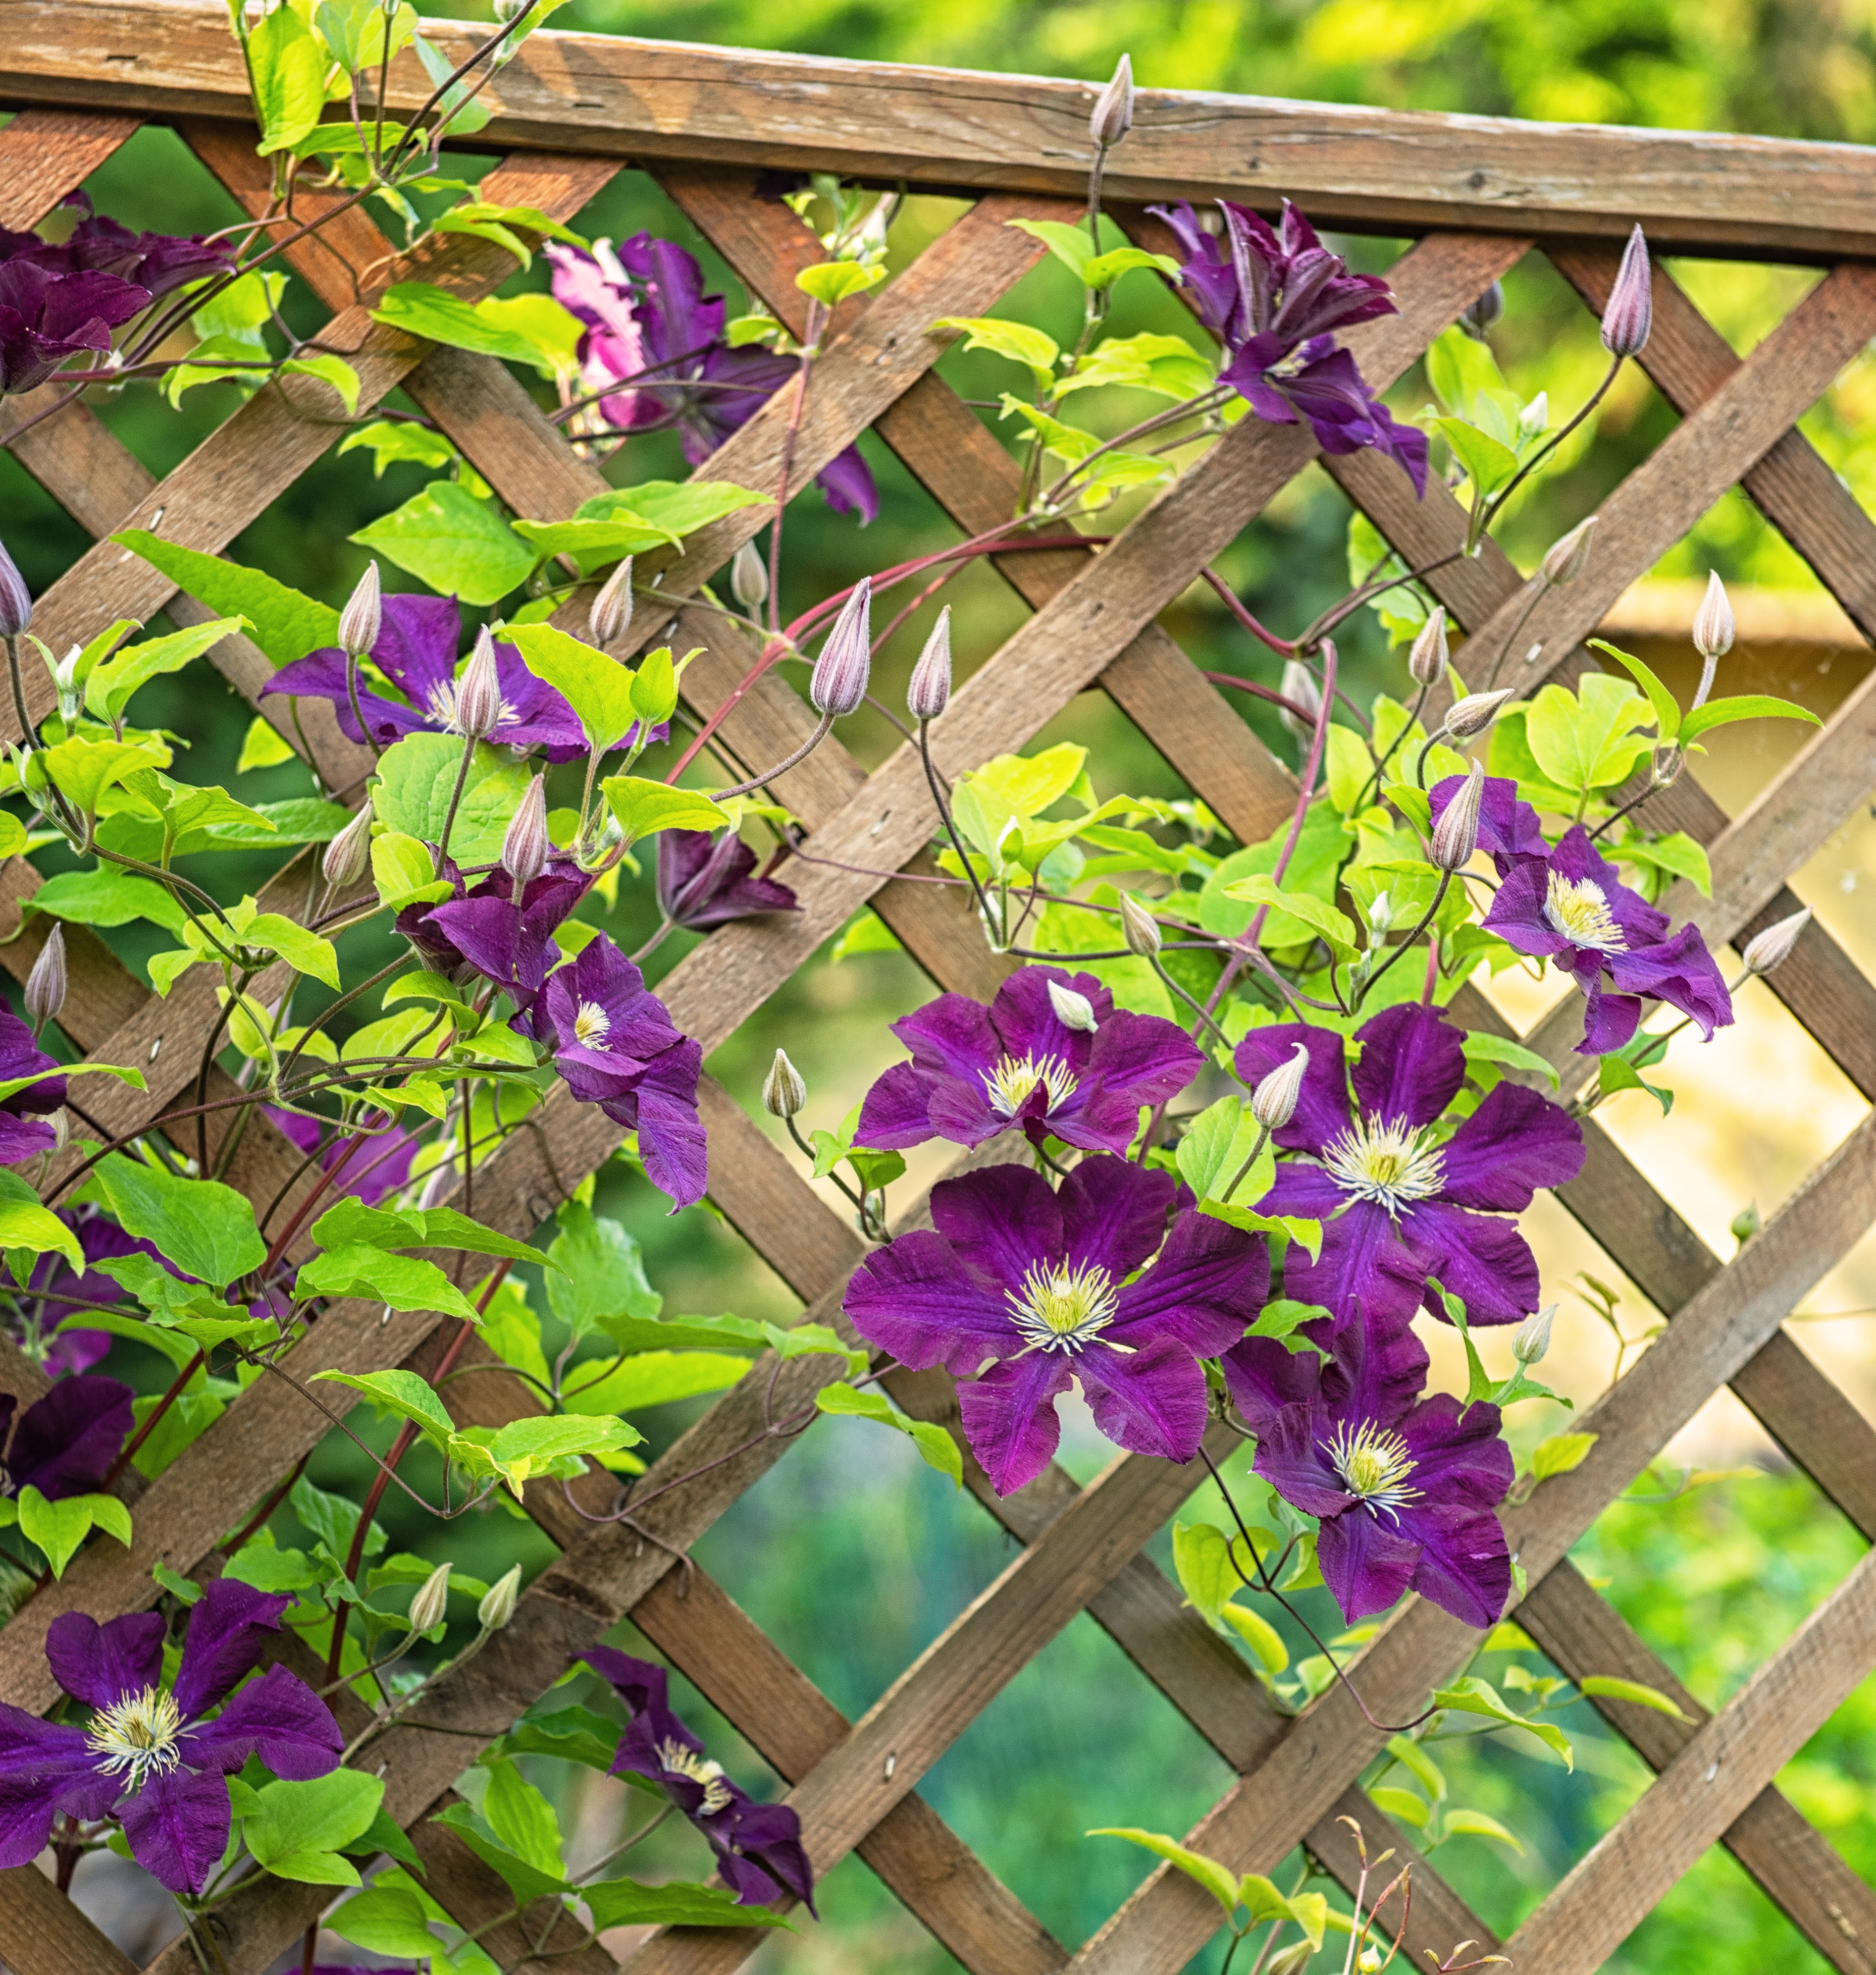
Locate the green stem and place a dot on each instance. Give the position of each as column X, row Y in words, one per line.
column 455, row 800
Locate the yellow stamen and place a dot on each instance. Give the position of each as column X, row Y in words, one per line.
column 687, row 1762
column 138, row 1736
column 1373, row 1464
column 1010, row 1084
column 1579, row 909
column 591, row 1025
column 1386, row 1162
column 1061, row 1308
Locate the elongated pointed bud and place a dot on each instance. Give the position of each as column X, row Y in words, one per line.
column 60, row 1122
column 1482, row 314
column 431, row 1605
column 45, row 985
column 1380, row 912
column 1298, row 686
column 748, row 577
column 1564, row 559
column 610, row 616
column 15, row 598
column 1113, row 116
column 348, row 855
column 497, row 1604
column 1455, row 835
column 1532, row 1339
column 1139, row 928
column 1712, row 623
column 1292, row 1961
column 839, row 683
column 479, row 692
column 65, row 683
column 1274, row 1102
column 1475, row 712
column 525, row 847
column 1773, row 947
column 785, row 1090
column 930, row 692
column 1427, row 660
column 1534, row 419
column 436, row 1188
column 363, row 617
column 1072, row 1010
column 1630, row 314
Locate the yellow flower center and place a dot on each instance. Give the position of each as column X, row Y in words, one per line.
column 591, row 1025
column 1373, row 1464
column 138, row 1736
column 1015, row 1077
column 1579, row 909
column 686, row 1762
column 1386, row 1162
column 1060, row 1308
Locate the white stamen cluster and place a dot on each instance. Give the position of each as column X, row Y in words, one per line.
column 1386, row 1161
column 1373, row 1464
column 1062, row 1308
column 138, row 1736
column 1015, row 1077
column 441, row 707
column 1578, row 909
column 591, row 1025
column 687, row 1762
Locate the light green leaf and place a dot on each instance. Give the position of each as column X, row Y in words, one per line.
column 830, row 282
column 331, row 370
column 453, row 542
column 1401, row 1805
column 599, row 689
column 287, row 67
column 298, row 1829
column 1257, row 1632
column 1615, row 1072
column 1069, row 244
column 625, row 1903
column 303, row 950
column 1677, row 854
column 1611, row 1689
column 416, row 777
column 1217, row 1880
column 651, row 1379
column 936, row 1448
column 521, row 1817
column 1474, row 1695
column 1477, row 1824
column 1104, row 270
column 287, row 625
column 676, row 507
column 1016, row 340
column 1481, row 1045
column 403, row 1394
column 112, row 685
column 644, row 807
column 107, row 896
column 59, row 1527
column 404, row 1282
column 1334, row 926
column 1747, row 706
column 601, row 1277
column 1585, row 740
column 1667, row 708
column 83, row 769
column 386, row 1920
column 1324, row 846
column 524, row 1449
column 1201, row 1559
column 1487, row 463
column 206, row 1229
column 24, row 1224
column 812, row 1340
column 483, row 220
column 1560, row 1453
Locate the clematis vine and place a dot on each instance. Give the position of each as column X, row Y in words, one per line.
column 1398, row 1203
column 54, row 1334
column 1047, row 1289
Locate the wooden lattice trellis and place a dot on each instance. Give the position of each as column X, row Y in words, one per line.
column 573, row 110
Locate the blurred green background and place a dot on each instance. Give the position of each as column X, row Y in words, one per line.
column 850, row 1554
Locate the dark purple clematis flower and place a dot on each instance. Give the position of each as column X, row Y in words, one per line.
column 644, row 308
column 1273, row 298
column 416, row 651
column 46, row 318
column 1396, row 1206
column 615, row 1043
column 975, row 1072
column 64, row 1444
column 1571, row 907
column 487, row 933
column 156, row 262
column 1404, row 1492
column 704, row 881
column 758, row 1845
column 99, row 1239
column 22, row 1135
column 1038, row 1280
column 155, row 1759
column 379, row 1166
column 1507, row 829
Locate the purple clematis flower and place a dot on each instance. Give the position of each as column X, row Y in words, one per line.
column 155, row 262
column 1508, row 829
column 23, row 1136
column 703, row 881
column 155, row 1759
column 975, row 1072
column 416, row 651
column 758, row 1845
column 65, row 1443
column 1571, row 907
column 486, row 932
column 615, row 1043
column 46, row 318
column 1404, row 1492
column 1273, row 298
column 379, row 1166
column 100, row 1239
column 645, row 310
column 1038, row 1281
column 1396, row 1205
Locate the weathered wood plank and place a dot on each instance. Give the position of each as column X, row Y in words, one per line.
column 46, row 154
column 42, row 1933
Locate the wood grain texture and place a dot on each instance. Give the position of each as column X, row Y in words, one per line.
column 42, row 1933
column 46, row 154
column 1394, row 172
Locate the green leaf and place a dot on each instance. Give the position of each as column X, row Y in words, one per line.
column 652, row 1378
column 113, row 685
column 404, row 871
column 299, row 1828
column 107, row 896
column 24, row 1224
column 178, row 1586
column 1216, row 1147
column 1201, row 1559
column 287, row 66
column 287, row 625
column 351, row 1221
column 1677, row 854
column 385, row 1921
column 573, row 1734
column 329, row 369
column 402, row 1394
column 1102, row 271
column 525, row 1881
column 1460, row 369
column 83, row 769
column 830, row 282
column 1311, row 912
column 525, row 1448
column 59, row 1527
column 1560, row 1453
column 1487, row 463
column 625, row 1903
column 1217, row 1880
column 1474, row 1695
column 1747, row 706
column 521, row 1817
column 420, row 308
column 1265, row 1642
column 416, row 777
column 601, row 1276
column 1293, row 1227
column 305, row 951
column 1481, row 1045
column 1611, row 1689
column 1477, row 1824
column 1667, row 708
column 644, row 808
column 1323, row 847
column 1585, row 740
column 599, row 689
column 1069, row 244
column 678, row 508
column 810, row 1340
column 206, row 1229
column 1412, row 1756
column 1066, row 441
column 936, row 1448
column 404, row 1282
column 483, row 220
column 1401, row 1805
column 1614, row 1073
column 1016, row 340
column 457, row 544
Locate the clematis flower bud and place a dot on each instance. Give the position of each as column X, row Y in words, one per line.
column 930, row 692
column 60, row 1122
column 15, row 598
column 1381, row 914
column 748, row 577
column 525, row 847
column 348, row 855
column 1298, row 684
column 1138, row 927
column 1564, row 559
column 497, row 1604
column 431, row 1605
column 1630, row 314
column 1475, row 712
column 363, row 617
column 1293, row 1961
column 1455, row 835
column 610, row 616
column 437, row 1188
column 785, row 1090
column 1426, row 662
column 65, row 683
column 1712, row 623
column 1113, row 116
column 1534, row 419
column 1072, row 1010
column 839, row 682
column 1773, row 947
column 1482, row 314
column 479, row 692
column 1274, row 1102
column 45, row 985
column 1532, row 1339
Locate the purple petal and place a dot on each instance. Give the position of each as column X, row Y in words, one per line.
column 1363, row 1268
column 1209, row 1283
column 1460, row 1454
column 537, row 716
column 1412, row 1061
column 178, row 1828
column 846, row 481
column 1151, row 1401
column 914, row 1298
column 320, row 674
column 1025, row 1018
column 24, row 1138
column 65, row 1442
column 1464, row 1567
column 1507, row 829
column 1263, row 1377
column 1001, row 1220
column 19, row 1056
column 418, row 641
column 952, row 1036
column 100, row 1664
column 1366, row 1563
column 1609, row 1022
column 277, row 1717
column 1516, row 1142
column 1144, row 1058
column 228, row 1629
column 672, row 1141
column 1113, row 1215
column 1483, row 1260
column 771, row 1833
column 1576, row 857
column 1292, row 1456
column 1681, row 972
column 1322, row 1114
column 1516, row 913
column 45, row 1768
column 895, row 1112
column 643, row 1683
column 1009, row 1417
